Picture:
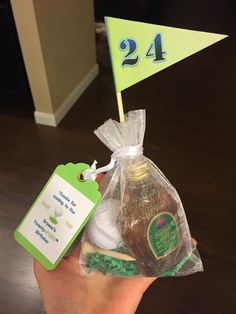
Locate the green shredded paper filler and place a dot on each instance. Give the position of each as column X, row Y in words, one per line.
column 107, row 264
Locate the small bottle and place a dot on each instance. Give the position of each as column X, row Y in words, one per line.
column 150, row 226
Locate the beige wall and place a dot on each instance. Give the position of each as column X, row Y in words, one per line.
column 27, row 30
column 58, row 45
column 66, row 30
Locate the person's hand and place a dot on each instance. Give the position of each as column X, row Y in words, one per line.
column 64, row 290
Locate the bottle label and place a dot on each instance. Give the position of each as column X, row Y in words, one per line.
column 162, row 234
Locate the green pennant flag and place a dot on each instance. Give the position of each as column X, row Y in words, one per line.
column 139, row 50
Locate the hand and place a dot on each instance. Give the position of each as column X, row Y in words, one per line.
column 65, row 291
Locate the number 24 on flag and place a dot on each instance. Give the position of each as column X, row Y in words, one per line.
column 154, row 51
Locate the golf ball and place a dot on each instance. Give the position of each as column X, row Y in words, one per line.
column 102, row 228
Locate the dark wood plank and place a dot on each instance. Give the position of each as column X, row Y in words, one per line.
column 18, row 287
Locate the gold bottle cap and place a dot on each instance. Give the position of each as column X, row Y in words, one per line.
column 137, row 171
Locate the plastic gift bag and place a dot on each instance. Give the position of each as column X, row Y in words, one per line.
column 139, row 228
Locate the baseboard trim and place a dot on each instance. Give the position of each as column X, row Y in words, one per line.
column 45, row 118
column 53, row 119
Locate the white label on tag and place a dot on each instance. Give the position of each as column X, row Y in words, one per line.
column 55, row 217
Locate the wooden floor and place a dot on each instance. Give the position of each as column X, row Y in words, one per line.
column 191, row 136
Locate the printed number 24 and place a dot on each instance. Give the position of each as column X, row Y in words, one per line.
column 155, row 50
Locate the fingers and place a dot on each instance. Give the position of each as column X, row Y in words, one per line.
column 194, row 242
column 99, row 177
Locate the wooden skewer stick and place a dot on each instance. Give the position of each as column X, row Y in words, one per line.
column 120, row 107
column 88, row 248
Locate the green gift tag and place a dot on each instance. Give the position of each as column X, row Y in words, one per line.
column 58, row 214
